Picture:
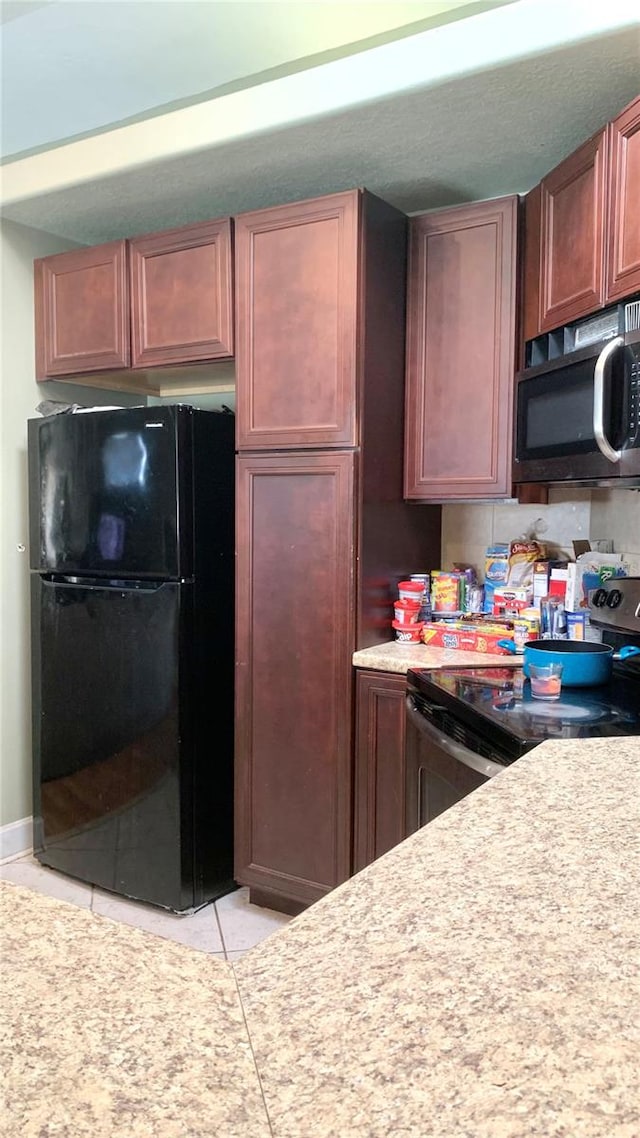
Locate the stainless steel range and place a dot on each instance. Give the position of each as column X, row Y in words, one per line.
column 465, row 725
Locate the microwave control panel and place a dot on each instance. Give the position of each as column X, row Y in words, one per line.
column 634, row 402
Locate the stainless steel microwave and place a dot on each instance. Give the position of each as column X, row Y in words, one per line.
column 577, row 417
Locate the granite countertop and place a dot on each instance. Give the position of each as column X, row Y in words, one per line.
column 397, row 657
column 113, row 1031
column 478, row 981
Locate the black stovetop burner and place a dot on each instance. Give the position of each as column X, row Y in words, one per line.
column 491, row 710
column 497, row 703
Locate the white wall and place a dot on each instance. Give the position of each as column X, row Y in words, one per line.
column 19, row 396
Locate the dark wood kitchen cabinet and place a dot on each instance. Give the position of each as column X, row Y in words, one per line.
column 296, row 290
column 156, row 301
column 323, row 535
column 82, row 311
column 572, row 235
column 379, row 777
column 295, row 605
column 182, row 295
column 582, row 230
column 623, row 262
column 461, row 334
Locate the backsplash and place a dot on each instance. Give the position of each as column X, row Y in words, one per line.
column 616, row 514
column 467, row 529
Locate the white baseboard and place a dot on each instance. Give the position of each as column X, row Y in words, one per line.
column 16, row 838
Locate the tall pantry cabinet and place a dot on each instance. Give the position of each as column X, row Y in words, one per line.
column 323, row 533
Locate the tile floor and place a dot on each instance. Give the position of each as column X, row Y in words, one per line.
column 227, row 928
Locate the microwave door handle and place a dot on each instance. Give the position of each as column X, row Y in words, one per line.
column 455, row 750
column 599, row 380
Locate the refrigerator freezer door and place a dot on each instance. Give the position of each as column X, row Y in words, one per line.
column 112, row 771
column 105, row 493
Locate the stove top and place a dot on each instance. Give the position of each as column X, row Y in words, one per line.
column 499, row 701
column 491, row 709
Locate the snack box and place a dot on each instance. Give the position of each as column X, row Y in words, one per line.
column 541, row 571
column 463, row 636
column 508, row 600
column 446, row 591
column 585, row 574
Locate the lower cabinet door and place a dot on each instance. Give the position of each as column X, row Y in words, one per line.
column 379, row 790
column 295, row 632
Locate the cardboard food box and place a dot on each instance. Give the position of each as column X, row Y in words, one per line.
column 458, row 635
column 507, row 600
column 585, row 574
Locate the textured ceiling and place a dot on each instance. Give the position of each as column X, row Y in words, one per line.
column 79, row 66
column 479, row 136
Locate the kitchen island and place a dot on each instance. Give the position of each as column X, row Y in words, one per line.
column 481, row 979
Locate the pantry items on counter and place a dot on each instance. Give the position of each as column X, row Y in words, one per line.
column 425, row 605
column 509, row 567
column 408, row 633
column 587, row 573
column 455, row 592
column 409, row 608
column 406, row 612
column 553, row 618
column 526, row 626
column 527, row 595
column 470, row 635
column 411, row 590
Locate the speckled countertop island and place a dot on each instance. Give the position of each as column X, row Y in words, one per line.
column 397, row 657
column 481, row 980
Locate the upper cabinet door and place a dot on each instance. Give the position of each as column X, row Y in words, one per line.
column 572, row 240
column 623, row 275
column 461, row 352
column 296, row 297
column 82, row 311
column 181, row 295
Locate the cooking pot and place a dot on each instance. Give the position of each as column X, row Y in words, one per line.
column 583, row 664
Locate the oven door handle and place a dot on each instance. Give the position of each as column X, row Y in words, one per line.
column 455, row 750
column 599, row 382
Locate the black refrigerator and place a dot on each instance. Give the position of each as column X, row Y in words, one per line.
column 132, row 570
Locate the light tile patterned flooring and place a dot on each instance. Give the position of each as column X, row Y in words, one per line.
column 227, row 928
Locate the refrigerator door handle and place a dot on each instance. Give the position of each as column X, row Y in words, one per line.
column 97, row 585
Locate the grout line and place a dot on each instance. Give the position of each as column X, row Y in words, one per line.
column 219, row 923
column 24, row 855
column 253, row 1054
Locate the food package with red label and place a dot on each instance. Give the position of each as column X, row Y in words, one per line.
column 508, row 600
column 446, row 590
column 463, row 636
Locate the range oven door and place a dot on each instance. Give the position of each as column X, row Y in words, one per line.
column 440, row 771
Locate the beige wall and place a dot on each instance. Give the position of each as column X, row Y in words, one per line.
column 468, row 529
column 616, row 514
column 19, row 396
